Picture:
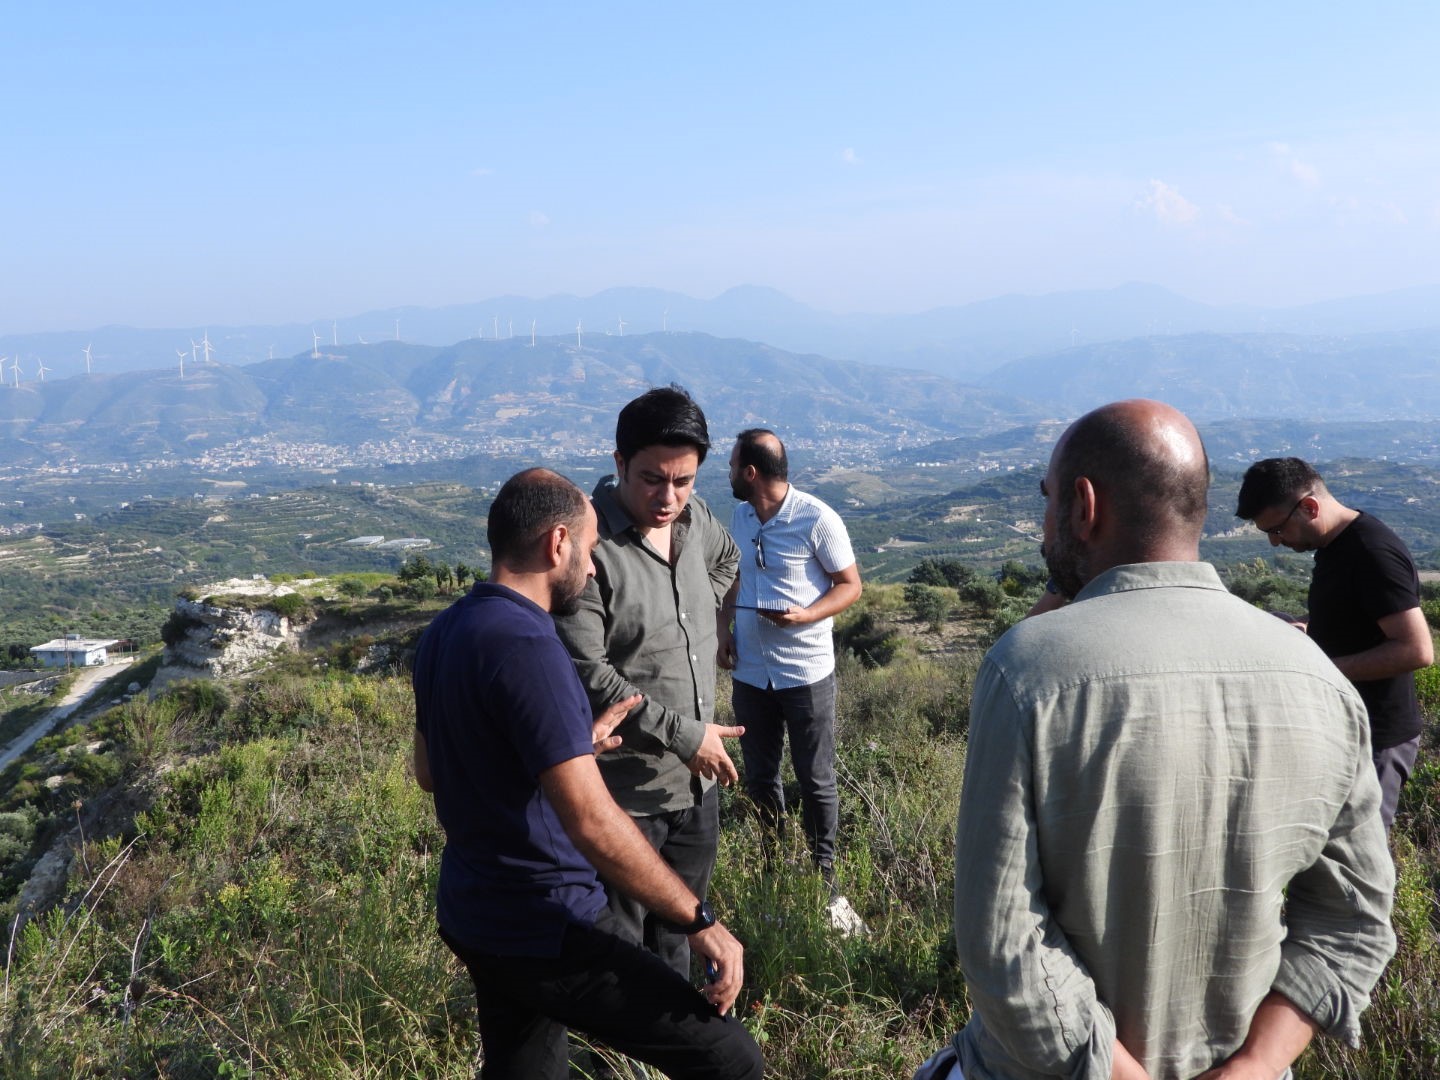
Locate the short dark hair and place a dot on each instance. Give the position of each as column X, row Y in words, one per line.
column 757, row 450
column 662, row 416
column 1152, row 493
column 529, row 505
column 1274, row 481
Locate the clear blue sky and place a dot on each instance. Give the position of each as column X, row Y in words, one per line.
column 183, row 164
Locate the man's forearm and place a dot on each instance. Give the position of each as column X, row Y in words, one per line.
column 835, row 600
column 1279, row 1031
column 1408, row 646
column 1384, row 661
column 607, row 837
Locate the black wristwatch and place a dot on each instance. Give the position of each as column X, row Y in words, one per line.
column 704, row 919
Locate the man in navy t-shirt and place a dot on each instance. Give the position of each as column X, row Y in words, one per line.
column 504, row 738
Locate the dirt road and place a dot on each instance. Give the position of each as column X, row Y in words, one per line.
column 85, row 685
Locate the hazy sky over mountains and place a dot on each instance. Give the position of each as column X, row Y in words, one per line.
column 169, row 164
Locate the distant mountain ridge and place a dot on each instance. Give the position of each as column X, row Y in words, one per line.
column 1392, row 376
column 487, row 393
column 961, row 341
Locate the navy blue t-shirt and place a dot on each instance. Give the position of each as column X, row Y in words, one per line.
column 498, row 702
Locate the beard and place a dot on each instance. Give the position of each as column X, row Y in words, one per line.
column 565, row 595
column 1066, row 561
column 740, row 489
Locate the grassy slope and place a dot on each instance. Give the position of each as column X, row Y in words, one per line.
column 268, row 909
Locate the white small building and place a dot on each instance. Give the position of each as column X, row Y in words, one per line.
column 73, row 651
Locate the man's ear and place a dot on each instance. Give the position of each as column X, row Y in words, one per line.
column 619, row 464
column 555, row 545
column 1084, row 511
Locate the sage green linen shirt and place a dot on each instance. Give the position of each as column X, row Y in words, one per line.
column 647, row 626
column 1150, row 769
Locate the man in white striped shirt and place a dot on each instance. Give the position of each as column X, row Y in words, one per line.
column 797, row 571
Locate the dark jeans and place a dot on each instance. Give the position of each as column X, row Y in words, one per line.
column 686, row 840
column 1393, row 767
column 608, row 989
column 808, row 714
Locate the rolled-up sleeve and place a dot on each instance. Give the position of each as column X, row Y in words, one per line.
column 1338, row 936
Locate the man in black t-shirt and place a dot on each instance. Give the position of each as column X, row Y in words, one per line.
column 1364, row 604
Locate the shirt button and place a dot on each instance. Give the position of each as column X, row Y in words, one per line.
column 694, row 659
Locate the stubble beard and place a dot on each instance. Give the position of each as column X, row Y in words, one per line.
column 1065, row 561
column 565, row 596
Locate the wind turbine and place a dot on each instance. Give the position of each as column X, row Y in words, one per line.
column 193, row 346
column 86, row 351
column 511, row 332
column 497, row 327
column 622, row 325
column 315, row 348
column 15, row 369
column 42, row 369
column 397, row 329
column 665, row 322
column 181, row 354
column 362, row 340
column 205, row 344
column 577, row 334
column 532, row 333
column 334, row 335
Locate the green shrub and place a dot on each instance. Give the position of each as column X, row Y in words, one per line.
column 951, row 573
column 866, row 639
column 930, row 605
column 291, row 606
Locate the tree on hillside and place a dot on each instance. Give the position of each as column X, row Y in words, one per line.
column 414, row 568
column 941, row 572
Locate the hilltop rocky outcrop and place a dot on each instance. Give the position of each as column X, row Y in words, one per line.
column 227, row 629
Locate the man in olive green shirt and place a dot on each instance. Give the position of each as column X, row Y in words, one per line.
column 646, row 624
column 1169, row 857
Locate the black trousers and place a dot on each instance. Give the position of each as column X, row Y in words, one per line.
column 686, row 840
column 612, row 991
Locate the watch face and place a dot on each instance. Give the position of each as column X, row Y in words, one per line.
column 704, row 916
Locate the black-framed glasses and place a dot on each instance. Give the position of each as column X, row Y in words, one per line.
column 1274, row 530
column 759, row 552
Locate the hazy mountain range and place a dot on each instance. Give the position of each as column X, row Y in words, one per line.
column 963, row 341
column 563, row 391
column 488, row 393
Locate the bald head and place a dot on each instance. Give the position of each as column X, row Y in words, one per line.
column 1146, row 461
column 763, row 449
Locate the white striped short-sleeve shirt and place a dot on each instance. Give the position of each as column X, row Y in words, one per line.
column 801, row 546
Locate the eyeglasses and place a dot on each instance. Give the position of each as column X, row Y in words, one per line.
column 1274, row 530
column 759, row 552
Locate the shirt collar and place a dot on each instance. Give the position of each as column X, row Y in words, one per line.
column 1152, row 575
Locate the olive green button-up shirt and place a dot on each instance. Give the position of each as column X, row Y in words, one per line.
column 1169, row 810
column 647, row 626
